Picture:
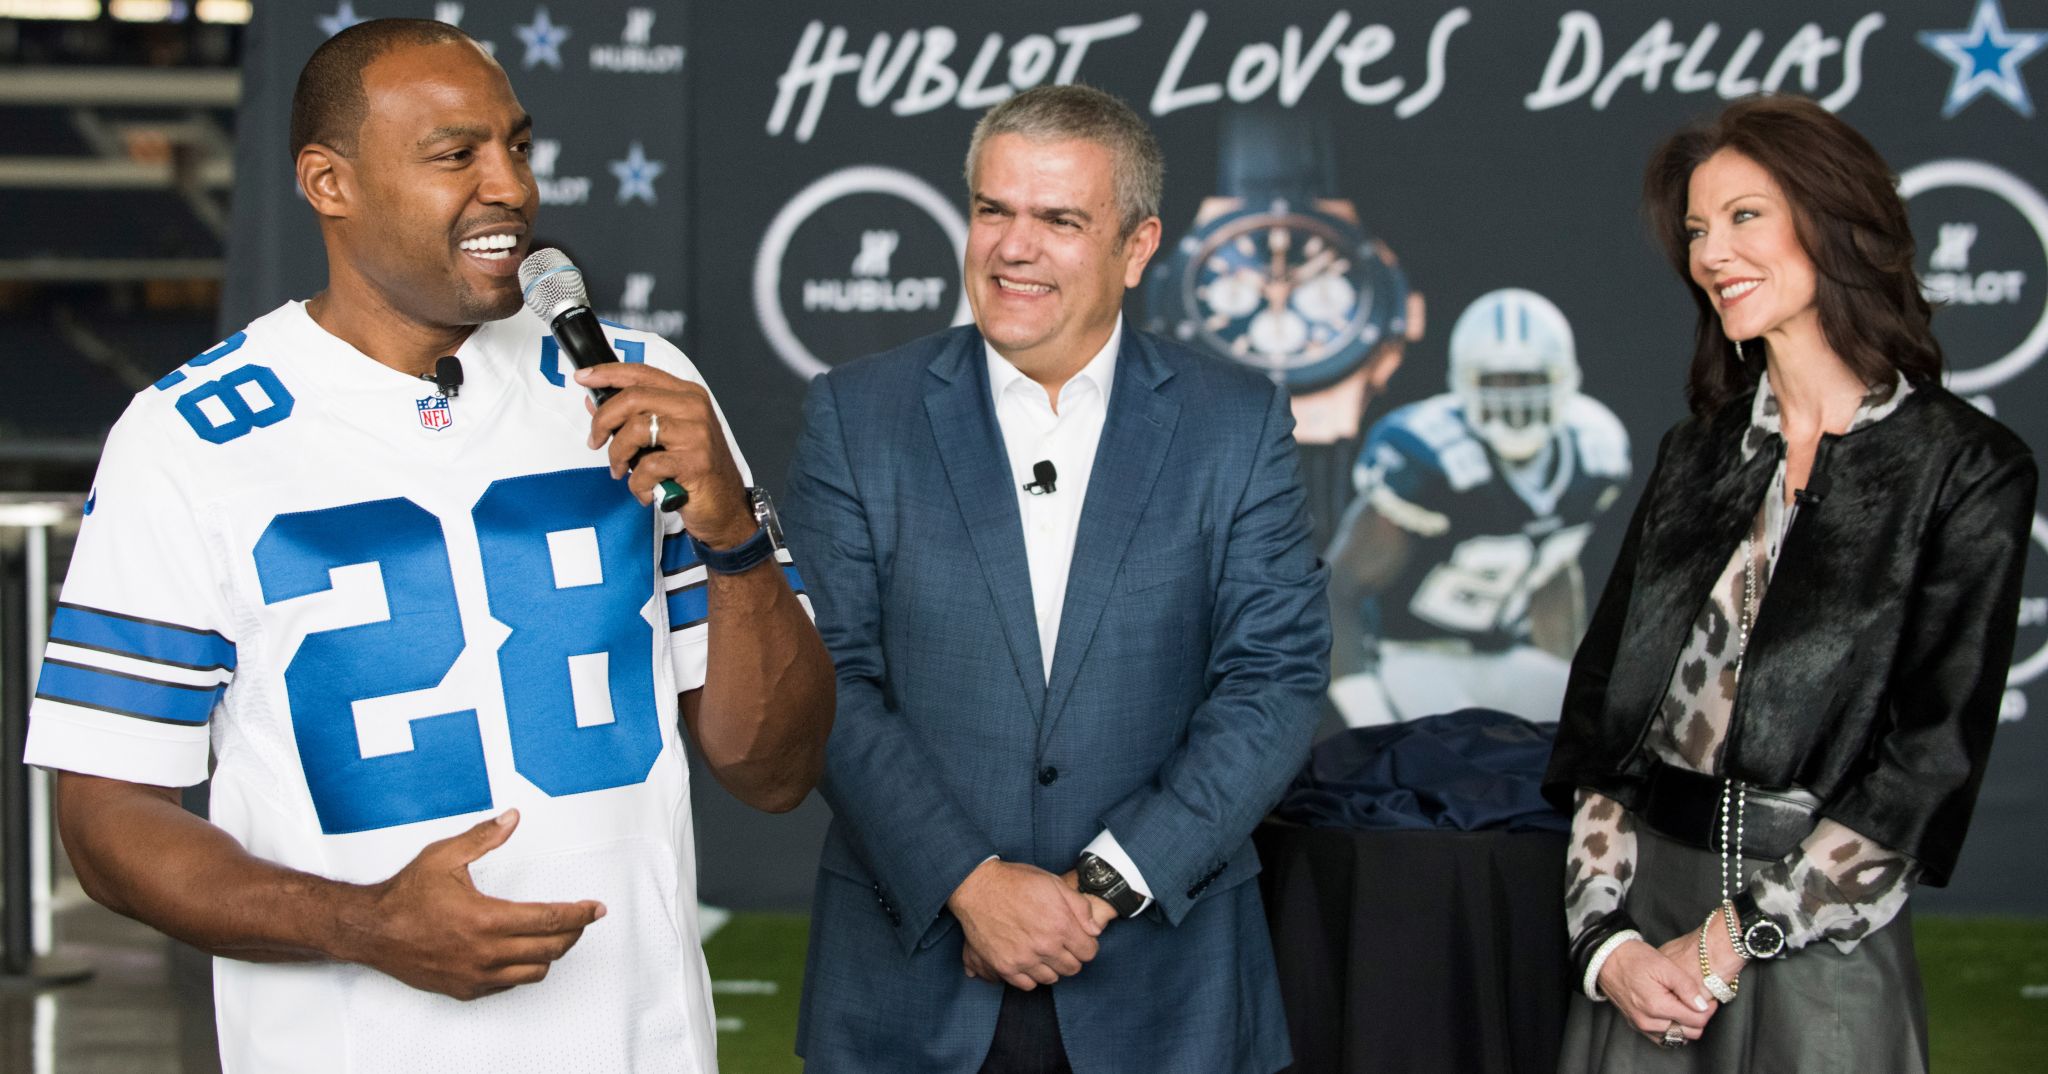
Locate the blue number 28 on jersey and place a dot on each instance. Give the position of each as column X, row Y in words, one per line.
column 556, row 628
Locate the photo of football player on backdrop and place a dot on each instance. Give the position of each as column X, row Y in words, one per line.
column 1454, row 575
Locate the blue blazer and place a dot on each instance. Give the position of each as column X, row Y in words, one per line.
column 1192, row 649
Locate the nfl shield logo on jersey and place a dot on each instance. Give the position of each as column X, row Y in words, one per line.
column 434, row 414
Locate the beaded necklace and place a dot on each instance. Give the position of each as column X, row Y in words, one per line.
column 1735, row 793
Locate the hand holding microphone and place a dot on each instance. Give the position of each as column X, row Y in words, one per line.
column 665, row 435
column 554, row 290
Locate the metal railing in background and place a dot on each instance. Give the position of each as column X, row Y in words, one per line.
column 181, row 148
column 27, row 526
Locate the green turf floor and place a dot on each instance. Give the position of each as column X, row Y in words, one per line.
column 757, row 974
column 1987, row 992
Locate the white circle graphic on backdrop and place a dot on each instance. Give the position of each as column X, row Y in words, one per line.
column 2026, row 671
column 1991, row 179
column 859, row 179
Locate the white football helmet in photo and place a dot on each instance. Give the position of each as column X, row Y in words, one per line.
column 1514, row 368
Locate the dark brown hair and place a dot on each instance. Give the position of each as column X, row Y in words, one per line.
column 1850, row 221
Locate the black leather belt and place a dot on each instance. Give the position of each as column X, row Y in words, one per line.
column 1686, row 806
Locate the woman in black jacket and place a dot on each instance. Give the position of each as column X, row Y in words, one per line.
column 1802, row 648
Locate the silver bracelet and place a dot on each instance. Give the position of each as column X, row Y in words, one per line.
column 1735, row 941
column 1591, row 985
column 1722, row 991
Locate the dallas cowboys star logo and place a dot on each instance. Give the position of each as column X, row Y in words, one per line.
column 543, row 40
column 637, row 174
column 344, row 17
column 1987, row 58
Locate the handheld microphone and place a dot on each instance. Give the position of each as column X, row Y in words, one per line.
column 446, row 377
column 554, row 290
column 1043, row 475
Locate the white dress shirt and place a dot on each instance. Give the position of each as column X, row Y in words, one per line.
column 1033, row 431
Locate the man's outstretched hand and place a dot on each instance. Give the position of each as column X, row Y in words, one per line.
column 431, row 928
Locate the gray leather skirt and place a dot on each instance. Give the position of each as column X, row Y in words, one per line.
column 1815, row 1011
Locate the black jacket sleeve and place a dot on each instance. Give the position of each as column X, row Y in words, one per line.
column 1927, row 755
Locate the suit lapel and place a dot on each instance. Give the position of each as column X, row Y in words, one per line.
column 964, row 426
column 1135, row 436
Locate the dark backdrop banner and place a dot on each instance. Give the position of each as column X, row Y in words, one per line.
column 1359, row 198
column 605, row 82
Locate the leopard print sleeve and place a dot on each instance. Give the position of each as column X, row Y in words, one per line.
column 1600, row 860
column 1838, row 886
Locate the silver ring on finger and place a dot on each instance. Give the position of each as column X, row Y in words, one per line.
column 654, row 431
column 1674, row 1037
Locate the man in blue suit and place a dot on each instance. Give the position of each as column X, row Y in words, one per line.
column 1065, row 571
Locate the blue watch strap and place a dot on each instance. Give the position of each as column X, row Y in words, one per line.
column 740, row 558
column 1268, row 153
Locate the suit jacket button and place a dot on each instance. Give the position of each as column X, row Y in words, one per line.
column 1047, row 774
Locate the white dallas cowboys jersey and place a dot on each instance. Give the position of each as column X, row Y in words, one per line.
column 389, row 621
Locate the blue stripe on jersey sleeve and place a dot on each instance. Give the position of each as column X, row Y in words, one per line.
column 164, row 643
column 691, row 604
column 677, row 554
column 688, row 606
column 128, row 695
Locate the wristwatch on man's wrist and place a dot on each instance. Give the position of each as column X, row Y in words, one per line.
column 752, row 552
column 1100, row 879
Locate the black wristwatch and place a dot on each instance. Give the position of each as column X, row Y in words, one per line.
column 1762, row 936
column 752, row 552
column 1100, row 879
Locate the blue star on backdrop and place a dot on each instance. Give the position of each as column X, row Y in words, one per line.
column 344, row 17
column 543, row 40
column 1987, row 58
column 637, row 174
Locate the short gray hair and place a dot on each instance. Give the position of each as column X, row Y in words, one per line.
column 1059, row 113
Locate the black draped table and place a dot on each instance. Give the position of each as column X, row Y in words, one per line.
column 1418, row 951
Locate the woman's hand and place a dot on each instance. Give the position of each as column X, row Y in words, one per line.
column 1651, row 987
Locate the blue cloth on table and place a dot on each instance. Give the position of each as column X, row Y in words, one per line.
column 1468, row 770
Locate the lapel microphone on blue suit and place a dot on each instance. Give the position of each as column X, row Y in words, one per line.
column 1043, row 475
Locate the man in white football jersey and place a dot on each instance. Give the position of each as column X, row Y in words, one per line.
column 1454, row 578
column 437, row 648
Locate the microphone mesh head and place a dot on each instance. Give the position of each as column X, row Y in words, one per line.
column 551, row 283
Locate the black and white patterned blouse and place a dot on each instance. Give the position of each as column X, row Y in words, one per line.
column 1838, row 886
